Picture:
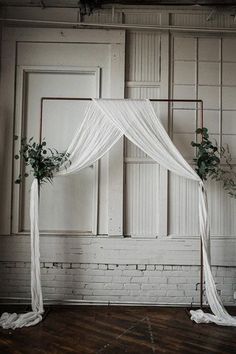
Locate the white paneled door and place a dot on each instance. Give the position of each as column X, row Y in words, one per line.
column 49, row 76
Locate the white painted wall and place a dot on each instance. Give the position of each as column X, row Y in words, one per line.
column 160, row 210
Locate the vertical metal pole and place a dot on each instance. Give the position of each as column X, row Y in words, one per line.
column 201, row 251
column 40, row 140
column 41, row 119
column 201, row 277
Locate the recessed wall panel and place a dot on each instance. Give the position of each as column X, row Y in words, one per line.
column 143, row 56
column 67, row 205
column 209, row 49
column 142, row 200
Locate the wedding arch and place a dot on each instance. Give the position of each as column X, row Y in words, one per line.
column 105, row 121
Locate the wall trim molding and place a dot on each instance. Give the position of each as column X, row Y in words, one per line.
column 122, row 26
column 47, row 302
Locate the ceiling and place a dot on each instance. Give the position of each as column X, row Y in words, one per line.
column 99, row 3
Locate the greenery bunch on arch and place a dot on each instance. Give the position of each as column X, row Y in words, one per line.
column 40, row 161
column 214, row 162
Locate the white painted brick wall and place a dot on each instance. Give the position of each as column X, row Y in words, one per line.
column 131, row 283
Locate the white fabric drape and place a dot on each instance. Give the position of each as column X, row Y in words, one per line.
column 104, row 123
column 93, row 139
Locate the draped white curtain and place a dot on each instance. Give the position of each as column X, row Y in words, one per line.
column 104, row 123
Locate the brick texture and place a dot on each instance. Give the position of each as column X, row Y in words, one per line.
column 113, row 283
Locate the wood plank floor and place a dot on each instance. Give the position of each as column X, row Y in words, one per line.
column 111, row 330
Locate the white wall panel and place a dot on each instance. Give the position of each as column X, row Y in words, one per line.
column 184, row 48
column 6, row 133
column 116, row 251
column 143, row 68
column 228, row 98
column 201, row 19
column 105, row 16
column 142, row 200
column 228, row 122
column 182, row 193
column 188, row 20
column 184, row 120
column 182, row 142
column 212, row 66
column 229, row 74
column 209, row 49
column 188, row 68
column 212, row 120
column 184, row 91
column 230, row 140
column 65, row 69
column 51, row 14
column 210, row 96
column 143, row 91
column 229, row 49
column 31, row 54
column 143, row 56
column 208, row 73
column 183, row 207
column 222, row 211
column 141, row 17
column 132, row 151
column 74, row 195
column 103, row 196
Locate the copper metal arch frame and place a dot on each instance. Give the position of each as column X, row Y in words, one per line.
column 199, row 102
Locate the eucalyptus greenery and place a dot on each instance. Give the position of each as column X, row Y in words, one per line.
column 43, row 161
column 214, row 162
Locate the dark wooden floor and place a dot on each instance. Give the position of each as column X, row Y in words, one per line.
column 111, row 330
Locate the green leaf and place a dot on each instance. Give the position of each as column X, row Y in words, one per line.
column 43, row 166
column 208, row 162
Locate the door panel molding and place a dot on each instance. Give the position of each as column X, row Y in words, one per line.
column 63, row 35
column 20, row 126
column 11, row 37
